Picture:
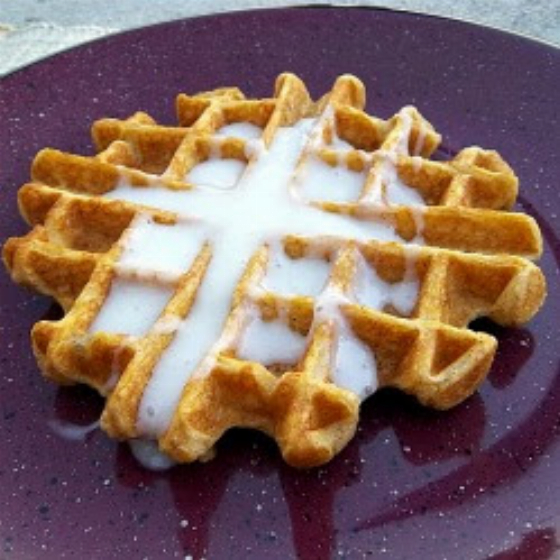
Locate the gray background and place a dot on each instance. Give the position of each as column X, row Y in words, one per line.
column 32, row 29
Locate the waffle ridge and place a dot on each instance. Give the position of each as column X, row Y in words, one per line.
column 450, row 251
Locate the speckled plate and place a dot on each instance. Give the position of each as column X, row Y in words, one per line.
column 476, row 482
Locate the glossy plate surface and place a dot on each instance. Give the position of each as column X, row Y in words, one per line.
column 479, row 481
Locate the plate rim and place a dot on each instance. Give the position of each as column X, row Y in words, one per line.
column 334, row 6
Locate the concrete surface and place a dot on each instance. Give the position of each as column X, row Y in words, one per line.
column 32, row 29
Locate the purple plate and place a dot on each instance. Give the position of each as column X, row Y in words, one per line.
column 479, row 481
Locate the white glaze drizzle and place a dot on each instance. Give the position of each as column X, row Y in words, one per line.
column 245, row 130
column 387, row 188
column 340, row 144
column 148, row 454
column 373, row 292
column 271, row 342
column 70, row 431
column 131, row 308
column 354, row 367
column 159, row 251
column 216, row 172
column 168, row 324
column 305, row 276
column 420, row 139
column 321, row 181
column 115, row 372
column 262, row 208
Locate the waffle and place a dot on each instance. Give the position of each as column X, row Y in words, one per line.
column 270, row 264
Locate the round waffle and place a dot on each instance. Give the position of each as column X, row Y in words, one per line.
column 270, row 264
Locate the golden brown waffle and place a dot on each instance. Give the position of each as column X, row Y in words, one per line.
column 293, row 363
